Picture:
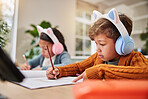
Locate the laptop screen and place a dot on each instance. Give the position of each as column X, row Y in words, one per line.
column 8, row 70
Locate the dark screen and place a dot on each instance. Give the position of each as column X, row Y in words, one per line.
column 8, row 70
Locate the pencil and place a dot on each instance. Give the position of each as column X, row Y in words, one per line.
column 25, row 59
column 50, row 58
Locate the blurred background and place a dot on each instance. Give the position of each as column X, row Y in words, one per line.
column 71, row 17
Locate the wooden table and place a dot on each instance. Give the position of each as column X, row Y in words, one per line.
column 14, row 91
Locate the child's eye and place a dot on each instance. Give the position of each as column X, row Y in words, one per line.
column 102, row 44
column 45, row 48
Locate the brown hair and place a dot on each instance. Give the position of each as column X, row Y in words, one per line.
column 104, row 26
column 59, row 36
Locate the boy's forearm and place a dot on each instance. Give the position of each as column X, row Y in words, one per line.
column 105, row 71
column 77, row 68
column 68, row 70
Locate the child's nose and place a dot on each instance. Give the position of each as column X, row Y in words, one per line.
column 42, row 51
column 98, row 49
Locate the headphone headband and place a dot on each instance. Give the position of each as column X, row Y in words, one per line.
column 48, row 32
column 113, row 17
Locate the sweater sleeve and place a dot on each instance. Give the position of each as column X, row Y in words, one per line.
column 138, row 69
column 105, row 71
column 73, row 69
column 35, row 61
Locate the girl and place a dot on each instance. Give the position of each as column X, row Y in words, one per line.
column 54, row 39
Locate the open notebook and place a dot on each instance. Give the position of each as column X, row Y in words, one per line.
column 37, row 79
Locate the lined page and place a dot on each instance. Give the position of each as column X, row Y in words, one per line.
column 43, row 82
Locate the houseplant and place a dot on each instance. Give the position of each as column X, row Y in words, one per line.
column 144, row 37
column 4, row 32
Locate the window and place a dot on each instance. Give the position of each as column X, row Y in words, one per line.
column 83, row 42
column 6, row 15
column 8, row 12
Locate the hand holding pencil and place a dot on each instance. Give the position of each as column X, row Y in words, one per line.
column 51, row 73
column 25, row 66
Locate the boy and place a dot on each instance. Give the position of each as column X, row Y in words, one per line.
column 114, row 59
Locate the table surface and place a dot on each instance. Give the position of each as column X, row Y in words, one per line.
column 14, row 91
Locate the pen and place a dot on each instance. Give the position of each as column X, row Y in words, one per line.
column 50, row 58
column 25, row 59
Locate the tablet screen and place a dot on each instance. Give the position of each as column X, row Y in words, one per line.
column 8, row 70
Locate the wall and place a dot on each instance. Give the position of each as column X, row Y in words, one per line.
column 137, row 11
column 87, row 7
column 58, row 12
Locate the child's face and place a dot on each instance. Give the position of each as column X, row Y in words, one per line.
column 106, row 48
column 43, row 44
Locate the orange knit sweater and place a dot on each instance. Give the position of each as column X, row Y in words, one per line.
column 132, row 66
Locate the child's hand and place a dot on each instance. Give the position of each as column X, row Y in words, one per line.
column 25, row 67
column 83, row 75
column 52, row 74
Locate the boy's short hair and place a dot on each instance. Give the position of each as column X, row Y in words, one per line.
column 104, row 26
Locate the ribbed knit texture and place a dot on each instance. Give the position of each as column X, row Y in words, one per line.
column 132, row 66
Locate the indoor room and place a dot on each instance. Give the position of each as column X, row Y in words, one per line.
column 23, row 23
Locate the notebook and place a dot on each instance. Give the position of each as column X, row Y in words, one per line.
column 35, row 79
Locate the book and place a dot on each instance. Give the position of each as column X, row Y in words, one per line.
column 35, row 79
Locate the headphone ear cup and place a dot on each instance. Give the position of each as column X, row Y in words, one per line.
column 57, row 48
column 118, row 45
column 128, row 46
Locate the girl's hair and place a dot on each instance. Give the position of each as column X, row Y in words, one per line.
column 59, row 36
column 104, row 26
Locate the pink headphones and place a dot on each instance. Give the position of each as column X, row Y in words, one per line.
column 57, row 47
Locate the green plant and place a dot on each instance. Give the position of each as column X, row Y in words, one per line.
column 144, row 37
column 35, row 50
column 4, row 31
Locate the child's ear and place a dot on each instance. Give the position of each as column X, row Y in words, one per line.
column 96, row 15
column 113, row 14
column 40, row 29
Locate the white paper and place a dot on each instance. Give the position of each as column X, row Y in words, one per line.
column 33, row 73
column 33, row 82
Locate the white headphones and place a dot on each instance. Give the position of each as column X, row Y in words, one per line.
column 57, row 47
column 124, row 44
